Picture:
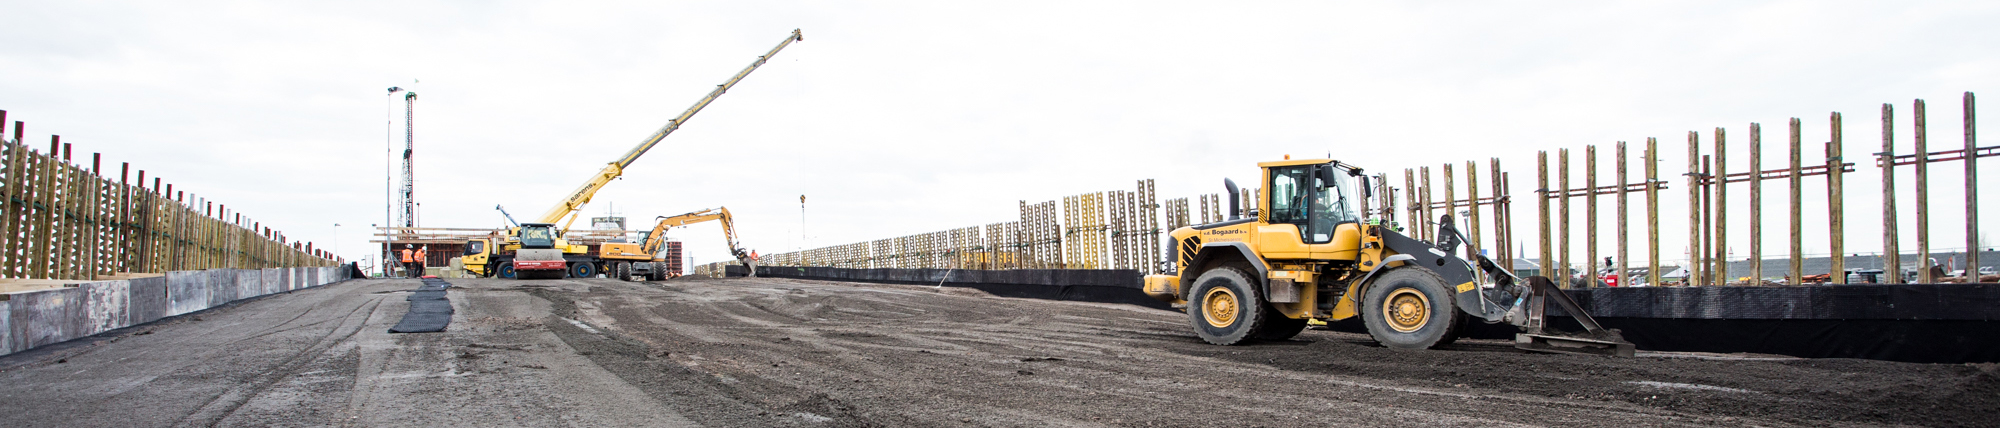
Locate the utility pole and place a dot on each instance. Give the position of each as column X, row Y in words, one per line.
column 409, row 147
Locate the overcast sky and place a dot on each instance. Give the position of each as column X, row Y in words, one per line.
column 898, row 118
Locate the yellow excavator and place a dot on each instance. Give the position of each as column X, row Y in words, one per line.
column 1303, row 254
column 627, row 260
column 538, row 248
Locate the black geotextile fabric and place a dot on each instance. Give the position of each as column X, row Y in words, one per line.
column 1961, row 302
column 1081, row 285
column 429, row 311
column 1916, row 341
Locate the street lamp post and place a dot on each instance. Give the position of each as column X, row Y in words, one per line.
column 388, row 173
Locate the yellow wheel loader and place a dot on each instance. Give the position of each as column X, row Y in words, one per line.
column 1303, row 254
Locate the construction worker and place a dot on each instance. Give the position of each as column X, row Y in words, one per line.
column 421, row 262
column 409, row 261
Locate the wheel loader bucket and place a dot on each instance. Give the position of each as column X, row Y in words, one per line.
column 1562, row 344
column 1594, row 340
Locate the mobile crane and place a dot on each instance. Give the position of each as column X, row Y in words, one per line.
column 626, row 260
column 504, row 256
column 1302, row 254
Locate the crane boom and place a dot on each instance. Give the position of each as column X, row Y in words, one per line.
column 510, row 217
column 616, row 168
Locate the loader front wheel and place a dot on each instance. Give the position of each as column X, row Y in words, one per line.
column 1227, row 309
column 1410, row 308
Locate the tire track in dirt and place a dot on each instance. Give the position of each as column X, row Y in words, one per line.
column 951, row 358
column 225, row 404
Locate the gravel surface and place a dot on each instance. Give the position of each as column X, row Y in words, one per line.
column 775, row 352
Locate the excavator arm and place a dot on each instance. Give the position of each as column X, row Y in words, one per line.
column 657, row 237
column 575, row 201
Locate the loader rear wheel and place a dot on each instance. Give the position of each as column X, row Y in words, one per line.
column 1410, row 308
column 1227, row 309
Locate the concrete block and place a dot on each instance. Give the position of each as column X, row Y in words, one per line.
column 45, row 317
column 146, row 300
column 106, row 306
column 256, row 280
column 272, row 280
column 221, row 286
column 247, row 286
column 6, row 327
column 187, row 291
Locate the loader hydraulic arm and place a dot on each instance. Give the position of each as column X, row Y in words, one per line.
column 576, row 200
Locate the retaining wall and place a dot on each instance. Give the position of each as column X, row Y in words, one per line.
column 1929, row 323
column 33, row 319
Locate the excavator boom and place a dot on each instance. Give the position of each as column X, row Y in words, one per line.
column 657, row 238
column 616, row 168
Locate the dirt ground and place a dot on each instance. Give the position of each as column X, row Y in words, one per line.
column 775, row 352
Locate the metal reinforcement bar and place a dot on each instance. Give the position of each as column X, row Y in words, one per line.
column 63, row 220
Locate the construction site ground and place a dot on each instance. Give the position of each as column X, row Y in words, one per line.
column 776, row 352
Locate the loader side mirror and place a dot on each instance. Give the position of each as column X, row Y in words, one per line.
column 1367, row 191
column 1327, row 174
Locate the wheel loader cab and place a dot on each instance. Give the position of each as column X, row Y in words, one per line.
column 1306, row 211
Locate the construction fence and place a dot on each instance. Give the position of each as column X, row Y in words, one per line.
column 1123, row 229
column 66, row 221
column 1710, row 178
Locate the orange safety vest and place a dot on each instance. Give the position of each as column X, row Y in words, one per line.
column 420, row 255
column 406, row 256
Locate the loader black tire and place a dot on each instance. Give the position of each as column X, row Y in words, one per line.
column 1412, row 308
column 622, row 271
column 1277, row 327
column 1225, row 307
column 580, row 270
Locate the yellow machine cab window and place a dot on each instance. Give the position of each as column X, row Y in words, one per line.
column 1314, row 197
